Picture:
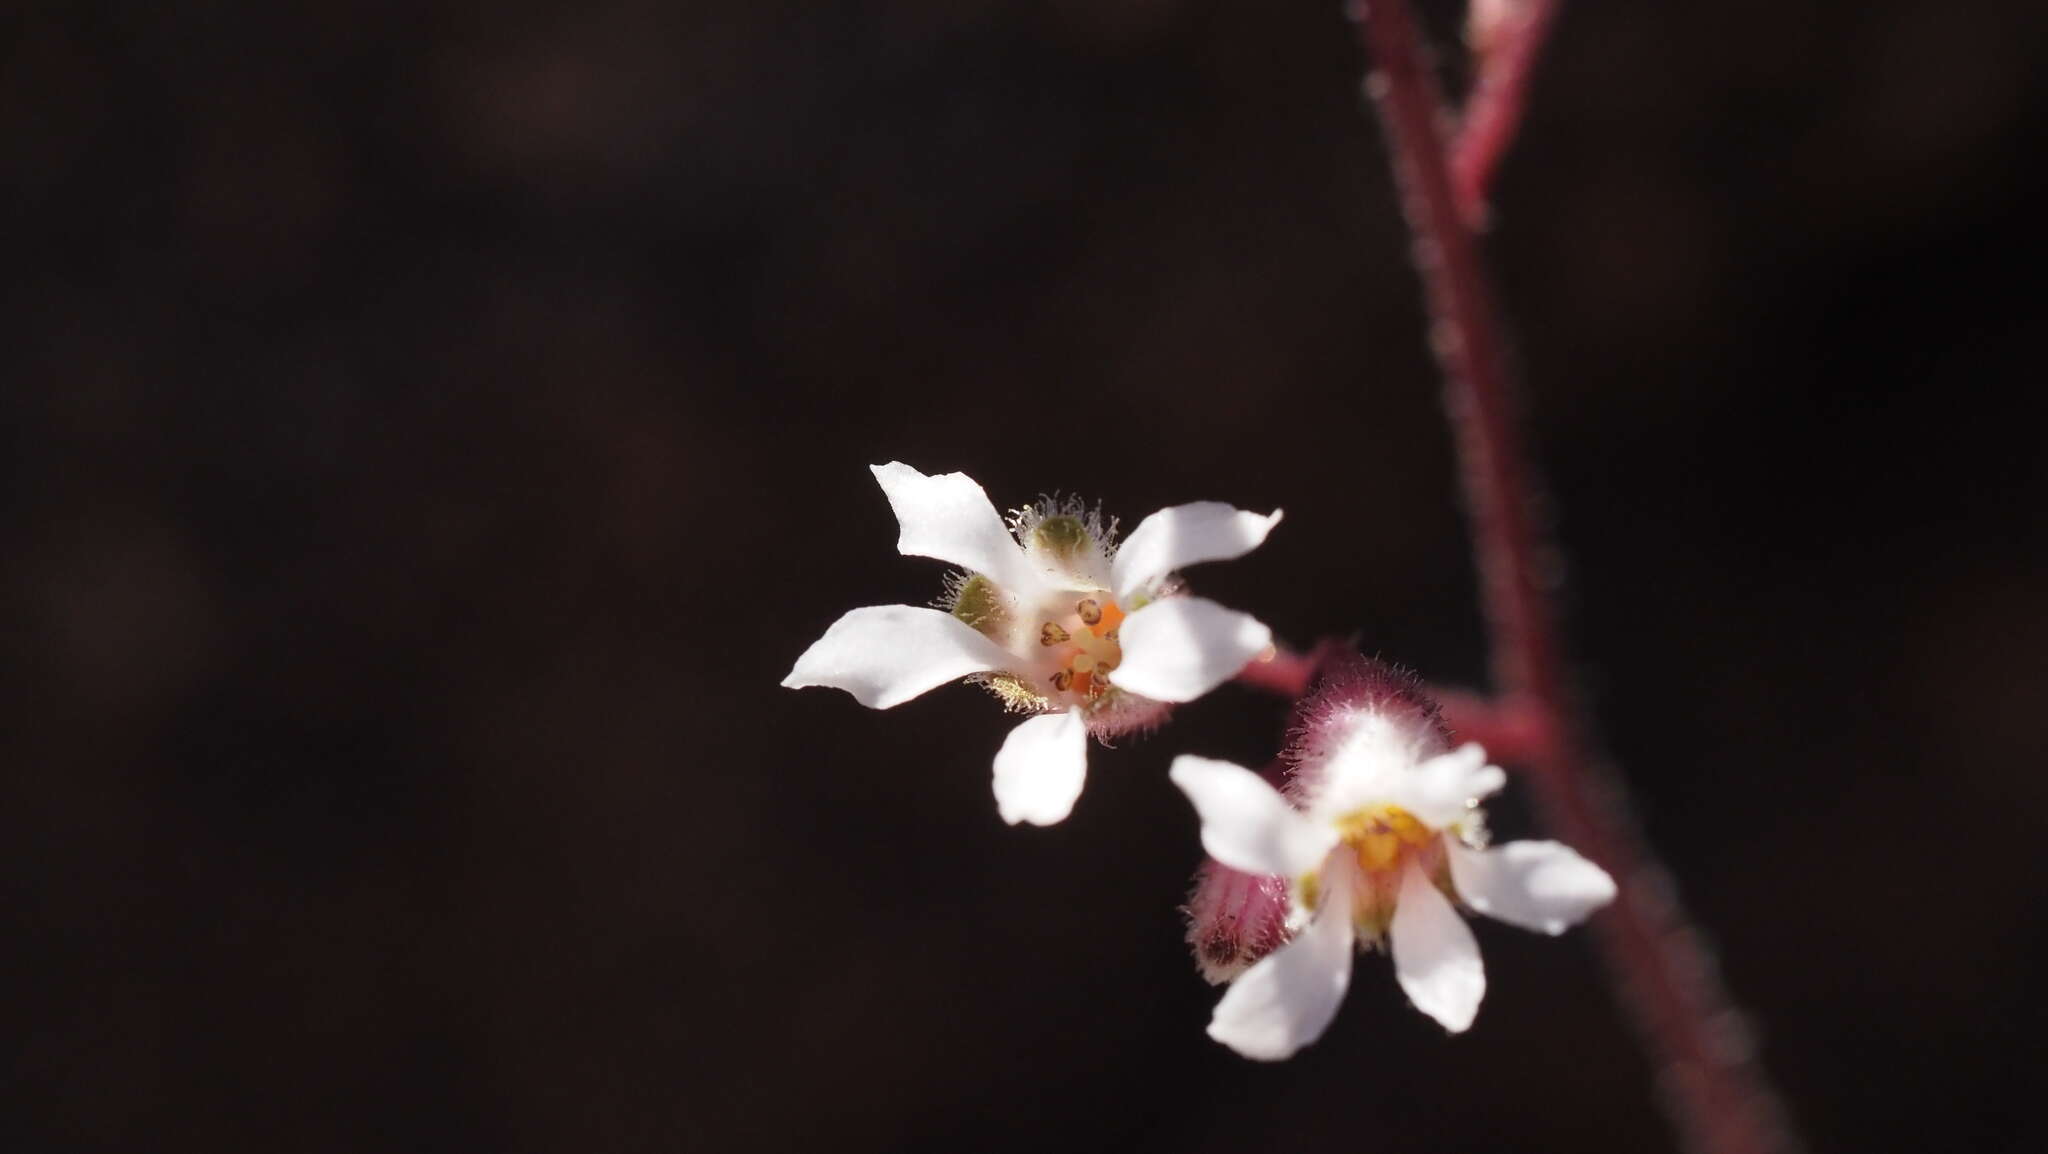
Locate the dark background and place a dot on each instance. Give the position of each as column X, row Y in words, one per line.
column 433, row 429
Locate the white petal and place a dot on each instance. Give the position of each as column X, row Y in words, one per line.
column 1246, row 824
column 1182, row 536
column 1182, row 647
column 1435, row 958
column 949, row 517
column 1537, row 885
column 1287, row 1000
column 887, row 654
column 1040, row 768
column 1438, row 789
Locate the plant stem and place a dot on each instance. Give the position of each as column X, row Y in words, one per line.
column 1493, row 109
column 1716, row 1092
column 1283, row 672
column 1508, row 731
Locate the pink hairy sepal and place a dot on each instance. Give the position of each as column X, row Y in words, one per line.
column 1127, row 715
column 1350, row 688
column 1234, row 919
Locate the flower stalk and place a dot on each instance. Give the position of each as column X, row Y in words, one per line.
column 1507, row 38
column 1717, row 1094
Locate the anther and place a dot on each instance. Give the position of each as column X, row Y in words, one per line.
column 1063, row 680
column 1090, row 611
column 1052, row 634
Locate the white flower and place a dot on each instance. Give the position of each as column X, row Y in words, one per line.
column 1051, row 616
column 1385, row 837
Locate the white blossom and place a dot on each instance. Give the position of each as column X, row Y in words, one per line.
column 1383, row 838
column 1052, row 616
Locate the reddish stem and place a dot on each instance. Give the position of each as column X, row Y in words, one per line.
column 1717, row 1094
column 1282, row 671
column 1509, row 731
column 1493, row 109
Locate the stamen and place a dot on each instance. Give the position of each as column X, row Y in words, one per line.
column 1380, row 836
column 1086, row 667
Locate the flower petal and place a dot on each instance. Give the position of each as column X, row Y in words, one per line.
column 1040, row 768
column 1246, row 824
column 949, row 517
column 1182, row 647
column 1182, row 536
column 1287, row 1000
column 1435, row 958
column 1537, row 885
column 887, row 654
column 1438, row 790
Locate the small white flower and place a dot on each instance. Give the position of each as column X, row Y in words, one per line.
column 1054, row 618
column 1383, row 833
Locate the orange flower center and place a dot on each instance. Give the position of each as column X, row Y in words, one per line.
column 1085, row 645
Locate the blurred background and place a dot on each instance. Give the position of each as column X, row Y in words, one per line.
column 432, row 430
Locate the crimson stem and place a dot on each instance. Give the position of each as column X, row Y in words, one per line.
column 1717, row 1093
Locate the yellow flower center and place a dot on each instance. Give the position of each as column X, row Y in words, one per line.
column 1384, row 840
column 1381, row 835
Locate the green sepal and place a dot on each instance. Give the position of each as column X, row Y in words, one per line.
column 979, row 603
column 1061, row 536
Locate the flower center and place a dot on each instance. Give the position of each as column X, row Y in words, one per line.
column 1381, row 835
column 1084, row 642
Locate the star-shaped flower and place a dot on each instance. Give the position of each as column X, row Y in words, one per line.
column 1054, row 618
column 1384, row 834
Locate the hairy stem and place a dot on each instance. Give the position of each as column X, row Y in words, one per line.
column 1717, row 1093
column 1507, row 54
column 1281, row 672
column 1508, row 731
